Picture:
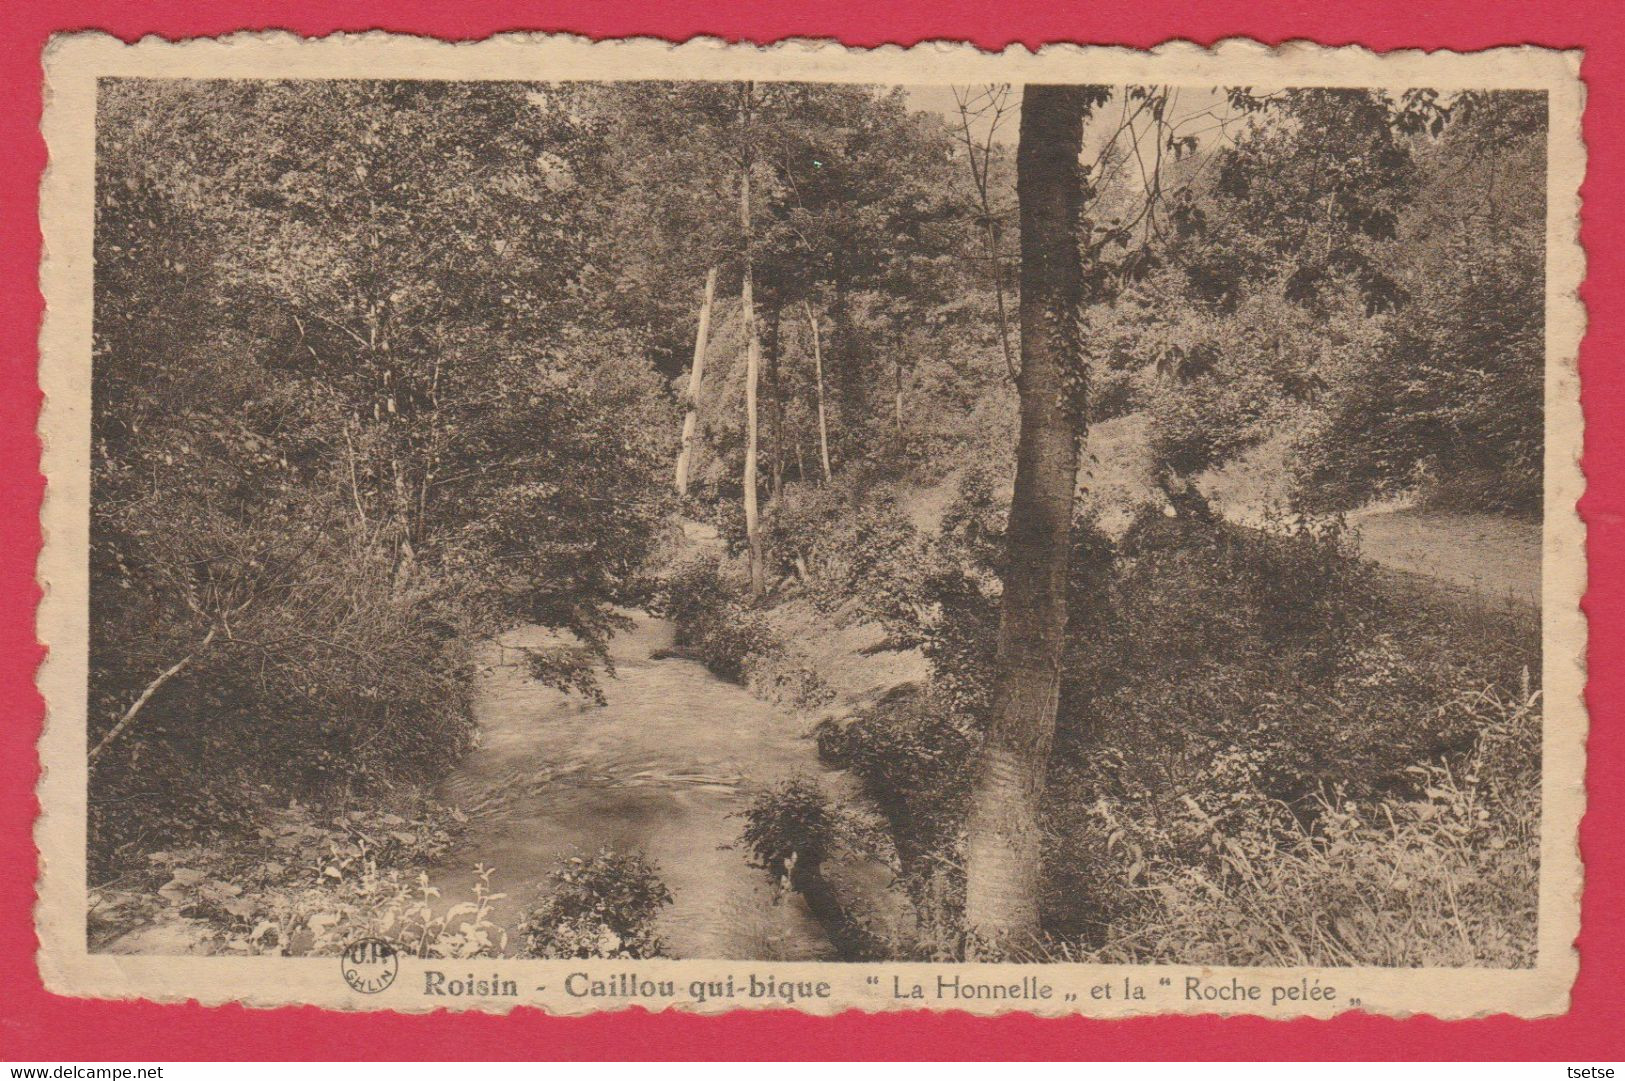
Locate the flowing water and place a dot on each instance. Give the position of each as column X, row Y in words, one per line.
column 659, row 768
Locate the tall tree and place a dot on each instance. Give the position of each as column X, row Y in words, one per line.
column 696, row 377
column 818, row 385
column 1003, row 839
column 753, row 348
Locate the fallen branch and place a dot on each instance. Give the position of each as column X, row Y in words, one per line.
column 151, row 689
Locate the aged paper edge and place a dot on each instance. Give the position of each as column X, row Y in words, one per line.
column 74, row 62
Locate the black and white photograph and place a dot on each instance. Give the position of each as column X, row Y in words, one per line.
column 984, row 529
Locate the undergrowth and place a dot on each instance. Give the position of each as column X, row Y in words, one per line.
column 1268, row 752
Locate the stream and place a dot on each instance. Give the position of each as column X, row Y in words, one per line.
column 659, row 769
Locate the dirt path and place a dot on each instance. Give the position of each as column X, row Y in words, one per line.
column 1491, row 555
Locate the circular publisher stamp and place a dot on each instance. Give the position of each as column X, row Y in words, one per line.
column 369, row 965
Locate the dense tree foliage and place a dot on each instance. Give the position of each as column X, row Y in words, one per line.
column 1450, row 397
column 353, row 407
column 1327, row 277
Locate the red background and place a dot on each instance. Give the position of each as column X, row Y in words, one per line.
column 37, row 1026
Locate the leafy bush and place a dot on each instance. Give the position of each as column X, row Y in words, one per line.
column 1259, row 680
column 1216, row 676
column 326, row 678
column 396, row 906
column 1450, row 403
column 781, row 678
column 1227, row 380
column 793, row 827
column 1206, row 423
column 1209, row 635
column 728, row 643
column 1114, row 392
column 605, row 906
column 792, row 830
column 913, row 756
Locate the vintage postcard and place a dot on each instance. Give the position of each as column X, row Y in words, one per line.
column 584, row 525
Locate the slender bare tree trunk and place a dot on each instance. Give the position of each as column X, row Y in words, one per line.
column 1003, row 838
column 405, row 553
column 818, row 376
column 696, row 374
column 998, row 293
column 753, row 361
column 980, row 172
column 845, row 365
column 128, row 717
column 775, row 401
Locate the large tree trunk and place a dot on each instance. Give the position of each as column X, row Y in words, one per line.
column 818, row 377
column 753, row 362
column 691, row 420
column 1003, row 839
